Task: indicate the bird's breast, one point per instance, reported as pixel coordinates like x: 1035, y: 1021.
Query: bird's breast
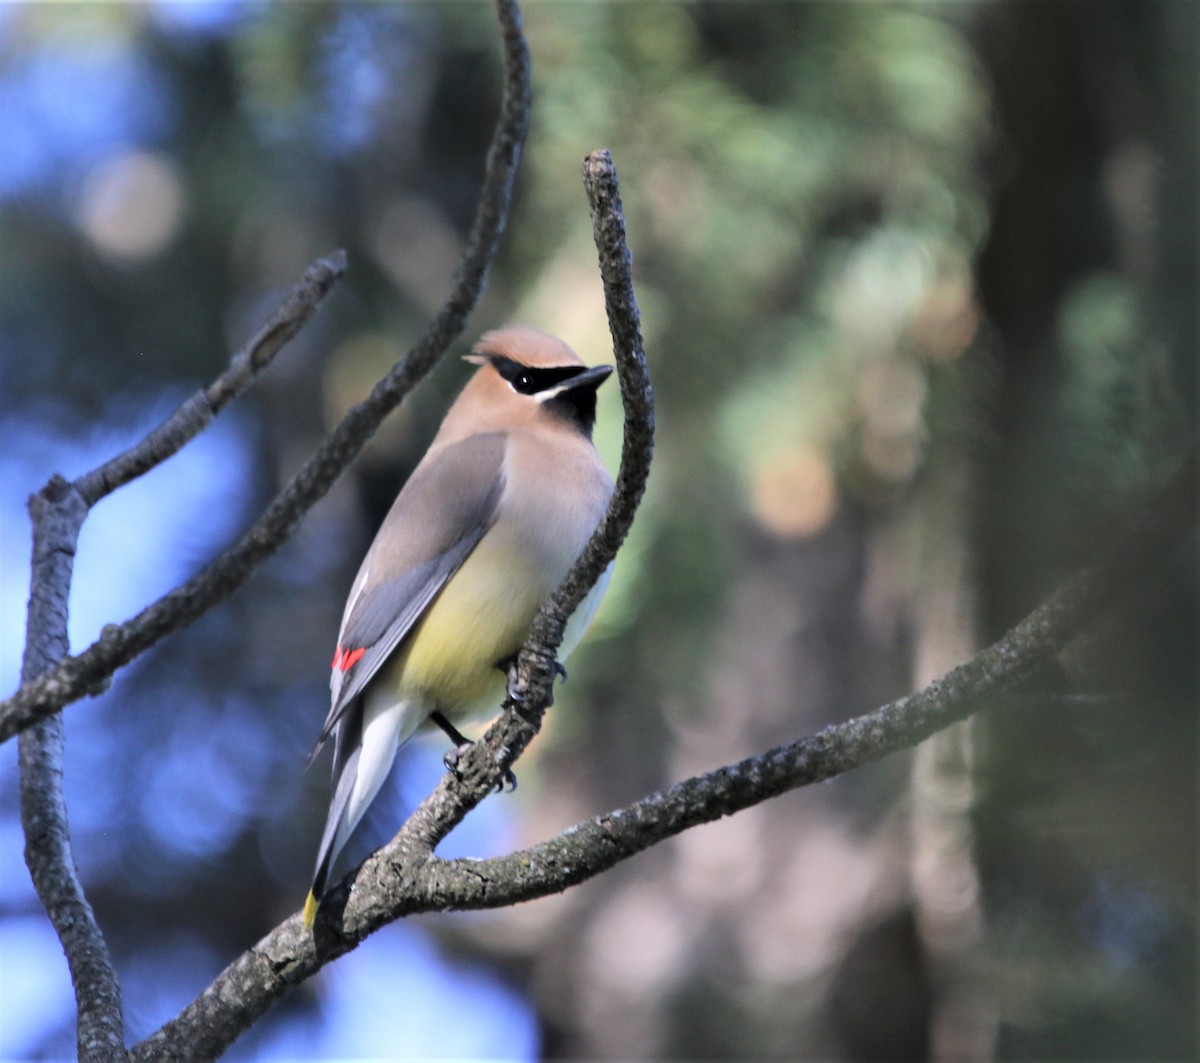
x: 483, y: 613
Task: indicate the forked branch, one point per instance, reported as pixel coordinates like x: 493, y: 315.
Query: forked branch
x: 51, y: 678
x: 74, y: 677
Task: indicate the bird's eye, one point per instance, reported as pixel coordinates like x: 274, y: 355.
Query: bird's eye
x: 524, y: 383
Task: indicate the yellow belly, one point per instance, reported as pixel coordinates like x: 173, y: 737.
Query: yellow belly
x: 480, y: 617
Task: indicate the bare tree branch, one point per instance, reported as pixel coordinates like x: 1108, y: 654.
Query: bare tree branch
x: 197, y: 413
x: 74, y: 677
x: 382, y: 889
x: 404, y: 878
x: 490, y: 759
x: 57, y: 512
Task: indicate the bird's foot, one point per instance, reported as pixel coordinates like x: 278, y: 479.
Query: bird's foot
x: 452, y: 756
x: 461, y: 745
x: 506, y: 785
x: 509, y: 666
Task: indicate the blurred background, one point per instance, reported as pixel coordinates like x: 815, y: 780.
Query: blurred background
x: 918, y: 290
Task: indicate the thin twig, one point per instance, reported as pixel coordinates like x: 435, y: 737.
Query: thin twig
x: 624, y: 322
x: 490, y: 759
x: 197, y: 412
x: 119, y: 644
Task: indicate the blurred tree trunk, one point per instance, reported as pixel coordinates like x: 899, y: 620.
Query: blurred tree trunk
x: 945, y: 879
x: 1089, y: 831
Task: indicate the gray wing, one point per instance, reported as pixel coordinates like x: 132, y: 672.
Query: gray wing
x: 445, y: 508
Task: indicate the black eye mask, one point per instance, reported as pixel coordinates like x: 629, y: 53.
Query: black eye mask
x: 528, y: 380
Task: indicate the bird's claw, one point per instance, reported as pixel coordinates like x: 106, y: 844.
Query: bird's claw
x: 455, y: 753
x: 510, y: 686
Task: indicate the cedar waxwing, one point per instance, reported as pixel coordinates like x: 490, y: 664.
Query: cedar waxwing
x: 482, y: 533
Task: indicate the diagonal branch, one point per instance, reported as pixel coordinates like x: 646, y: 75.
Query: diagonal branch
x: 74, y: 677
x: 383, y: 885
x: 597, y: 844
x: 419, y: 882
x: 489, y: 759
x: 197, y: 413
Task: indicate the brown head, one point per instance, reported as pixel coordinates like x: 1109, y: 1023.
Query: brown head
x: 526, y: 378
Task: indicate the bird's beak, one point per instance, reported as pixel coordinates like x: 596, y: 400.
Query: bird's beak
x: 589, y: 378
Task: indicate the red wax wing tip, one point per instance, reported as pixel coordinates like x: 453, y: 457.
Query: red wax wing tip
x: 345, y: 659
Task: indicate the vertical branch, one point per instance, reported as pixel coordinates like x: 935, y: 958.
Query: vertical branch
x: 57, y: 512
x: 624, y: 323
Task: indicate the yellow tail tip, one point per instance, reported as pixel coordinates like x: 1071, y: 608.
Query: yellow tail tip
x: 310, y: 909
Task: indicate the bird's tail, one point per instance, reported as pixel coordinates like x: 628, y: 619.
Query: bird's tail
x: 366, y: 747
x: 338, y: 825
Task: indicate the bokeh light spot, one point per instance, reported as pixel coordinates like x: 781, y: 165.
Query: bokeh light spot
x: 794, y: 495
x: 131, y: 206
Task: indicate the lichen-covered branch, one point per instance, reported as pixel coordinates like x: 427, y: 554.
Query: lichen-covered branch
x: 76, y: 676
